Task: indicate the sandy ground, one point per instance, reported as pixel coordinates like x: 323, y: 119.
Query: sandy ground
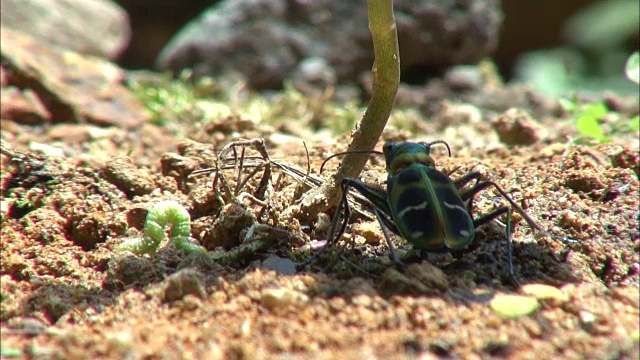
x: 67, y: 292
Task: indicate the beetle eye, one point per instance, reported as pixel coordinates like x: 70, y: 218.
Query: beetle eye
x: 388, y: 146
x: 427, y: 146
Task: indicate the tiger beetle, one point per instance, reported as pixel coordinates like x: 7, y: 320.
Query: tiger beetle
x: 425, y: 206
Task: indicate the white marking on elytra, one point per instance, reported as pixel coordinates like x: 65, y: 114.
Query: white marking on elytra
x: 464, y: 233
x: 416, y: 234
x: 454, y: 206
x: 407, y: 209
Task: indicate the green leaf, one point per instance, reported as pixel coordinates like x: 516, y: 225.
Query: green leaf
x: 595, y: 110
x: 632, y: 68
x: 588, y: 126
x: 513, y: 306
x: 542, y: 291
x: 587, y: 122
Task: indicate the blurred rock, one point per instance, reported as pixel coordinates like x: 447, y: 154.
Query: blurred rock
x: 313, y: 76
x: 63, y: 86
x: 22, y: 106
x: 266, y: 41
x: 96, y: 27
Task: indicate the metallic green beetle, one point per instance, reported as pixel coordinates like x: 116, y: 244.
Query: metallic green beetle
x: 425, y: 206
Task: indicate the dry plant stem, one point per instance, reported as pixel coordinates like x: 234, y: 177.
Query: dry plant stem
x: 386, y: 76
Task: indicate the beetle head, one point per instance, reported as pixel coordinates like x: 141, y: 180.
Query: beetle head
x: 400, y: 155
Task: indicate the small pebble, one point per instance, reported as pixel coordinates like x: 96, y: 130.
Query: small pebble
x: 586, y: 317
x: 280, y: 298
x: 280, y: 265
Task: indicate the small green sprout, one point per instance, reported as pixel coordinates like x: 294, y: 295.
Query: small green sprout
x: 589, y: 116
x: 158, y: 217
x: 587, y: 121
x: 179, y: 100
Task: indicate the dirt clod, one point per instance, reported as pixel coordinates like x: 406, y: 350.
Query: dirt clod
x: 130, y: 179
x: 184, y: 282
x: 418, y: 279
x: 282, y: 298
x: 516, y: 127
x: 129, y: 270
x: 226, y: 230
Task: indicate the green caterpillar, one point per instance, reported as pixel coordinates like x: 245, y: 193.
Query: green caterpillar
x: 164, y: 212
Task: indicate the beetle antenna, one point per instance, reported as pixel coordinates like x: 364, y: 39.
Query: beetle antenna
x: 439, y: 142
x: 349, y: 152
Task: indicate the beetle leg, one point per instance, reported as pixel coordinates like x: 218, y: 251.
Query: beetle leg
x: 386, y: 225
x: 532, y: 223
x: 481, y: 185
x: 381, y: 211
x: 484, y: 219
x: 463, y: 181
x: 466, y: 178
x: 378, y: 199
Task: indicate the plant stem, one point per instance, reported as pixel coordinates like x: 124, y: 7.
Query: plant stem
x: 386, y: 77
